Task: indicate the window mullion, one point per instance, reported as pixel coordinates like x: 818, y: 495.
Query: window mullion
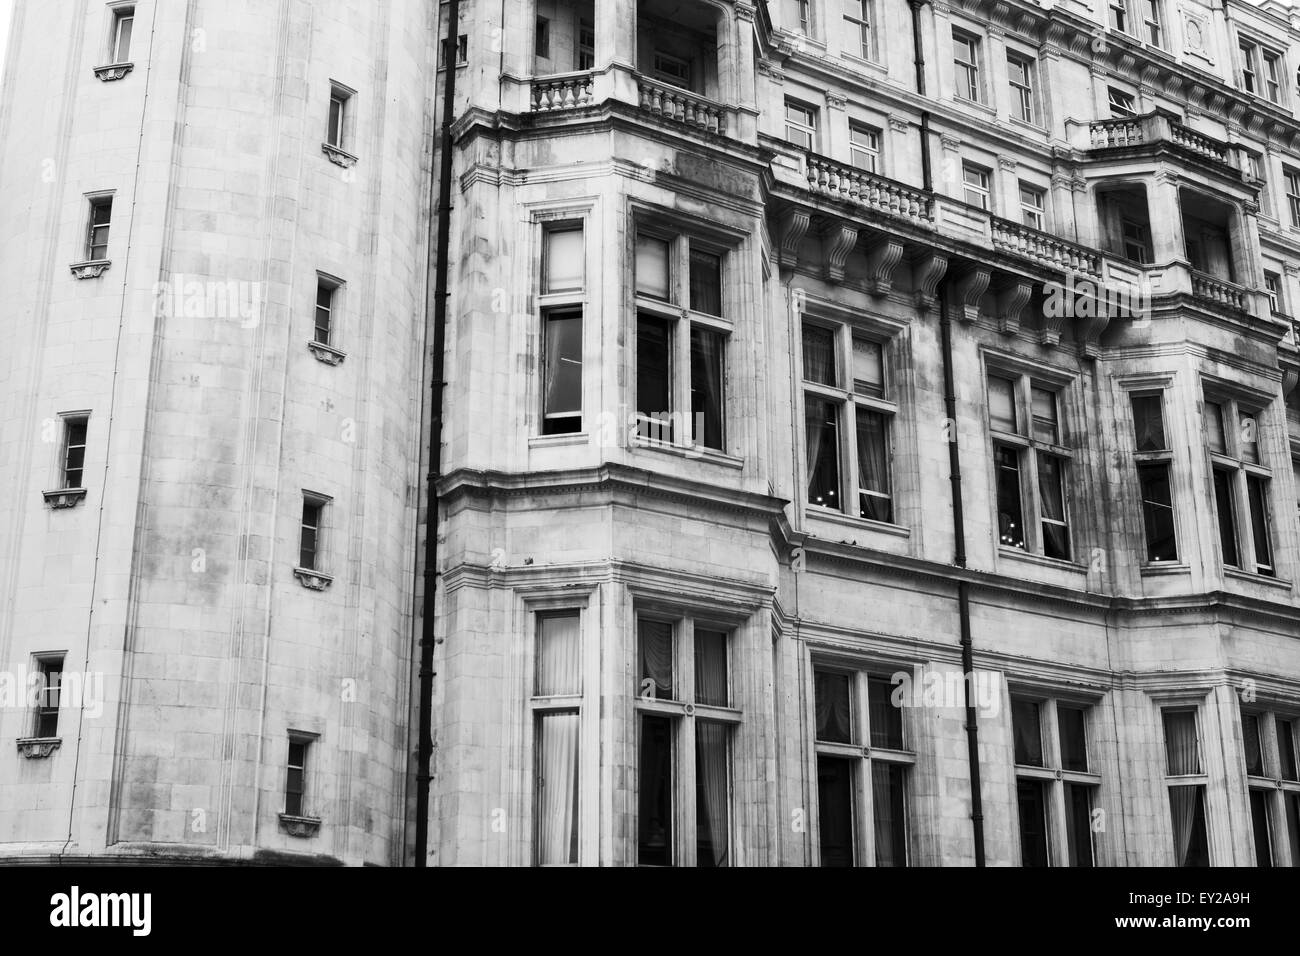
x: 686, y: 850
x: 852, y: 503
x: 683, y: 423
x: 1029, y: 498
x: 867, y: 804
x: 1244, y: 523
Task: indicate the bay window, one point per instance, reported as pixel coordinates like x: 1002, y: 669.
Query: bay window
x: 1240, y: 483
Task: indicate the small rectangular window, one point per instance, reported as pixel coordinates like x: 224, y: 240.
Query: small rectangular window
x: 966, y: 63
x: 1182, y: 748
x: 295, y: 784
x: 49, y: 670
x: 1051, y: 495
x: 1287, y: 739
x: 1252, y: 743
x: 655, y: 642
x: 1002, y: 405
x: 707, y: 387
x: 672, y: 69
x: 101, y: 215
x: 656, y: 806
x: 889, y: 809
x: 868, y: 368
x: 875, y: 501
x: 1122, y: 103
x: 1043, y: 408
x: 1215, y: 436
x: 542, y: 39
x: 74, y: 451
x: 819, y: 356
x: 562, y: 372
x: 586, y: 45
x: 562, y: 259
x: 857, y: 23
x: 1078, y: 824
x: 975, y: 182
x: 835, y: 799
x: 310, y: 539
x: 885, y: 719
x: 324, y: 311
x: 654, y: 378
x: 1119, y: 15
x: 1026, y: 723
x: 1011, y: 525
x: 1033, y: 203
x: 1272, y: 76
x: 652, y: 267
x: 1273, y: 287
x: 1072, y: 724
x: 559, y: 671
x: 1261, y: 827
x: 1148, y: 421
x: 337, y: 127
x: 833, y: 697
x: 123, y: 23
x: 1249, y: 67
x: 800, y: 125
x: 1151, y: 20
x: 1226, y: 512
x: 822, y: 425
x: 864, y: 147
x: 1157, y: 511
x: 1260, y: 523
x: 711, y: 680
x: 1021, y: 73
x: 1293, y: 195
x: 706, y: 282
x: 1031, y: 797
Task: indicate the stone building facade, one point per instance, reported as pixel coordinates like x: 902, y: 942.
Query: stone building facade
x: 713, y: 267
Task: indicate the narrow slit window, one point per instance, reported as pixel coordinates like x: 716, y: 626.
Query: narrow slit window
x: 123, y: 23
x: 310, y: 540
x: 295, y: 783
x: 48, y: 690
x: 101, y: 216
x: 74, y: 451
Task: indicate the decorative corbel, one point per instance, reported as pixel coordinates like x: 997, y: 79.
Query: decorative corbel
x: 1290, y: 379
x: 1088, y: 329
x: 794, y: 226
x: 838, y: 240
x: 927, y: 272
x: 970, y: 288
x: 1012, y: 300
x: 882, y: 258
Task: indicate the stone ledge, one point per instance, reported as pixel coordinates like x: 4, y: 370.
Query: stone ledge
x: 339, y: 157
x: 38, y: 748
x: 113, y: 71
x: 327, y: 353
x: 315, y: 580
x: 63, y: 497
x: 297, y: 826
x: 91, y: 268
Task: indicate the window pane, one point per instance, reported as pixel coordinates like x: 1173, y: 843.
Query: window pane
x: 335, y: 132
x: 1214, y: 428
x: 821, y: 422
x: 1260, y: 828
x: 564, y: 265
x: 1078, y: 824
x: 706, y: 282
x: 1257, y: 496
x: 886, y: 719
x: 1227, y: 518
x: 324, y: 309
x: 873, y: 467
x: 1051, y: 496
x: 1074, y: 738
x: 1252, y: 744
x: 1046, y: 427
x: 1293, y: 825
x: 1248, y: 438
x: 311, y: 512
x: 656, y: 645
x: 1011, y: 528
x: 835, y: 810
x: 562, y: 388
x: 652, y: 267
x: 655, y: 793
x: 1287, y: 753
x: 1181, y: 747
x: 1002, y: 404
x: 1148, y: 423
x: 557, y: 788
x: 558, y: 661
x: 1027, y: 727
x: 707, y: 350
x: 868, y: 368
x: 819, y: 356
x: 1033, y: 822
x: 712, y: 794
x: 711, y: 668
x: 832, y: 702
x: 653, y: 378
x: 1157, y: 512
x: 889, y: 804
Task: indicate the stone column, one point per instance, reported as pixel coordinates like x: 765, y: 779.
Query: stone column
x: 1167, y: 240
x: 835, y: 130
x: 516, y: 33
x: 1006, y: 193
x: 615, y: 52
x: 743, y: 68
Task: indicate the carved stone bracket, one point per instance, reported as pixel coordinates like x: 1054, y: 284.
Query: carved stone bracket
x: 63, y: 497
x: 882, y: 258
x: 794, y: 226
x: 1012, y: 300
x: 299, y: 826
x: 91, y: 268
x: 838, y: 240
x: 1088, y: 329
x: 326, y: 353
x: 927, y: 272
x: 315, y: 580
x: 113, y: 71
x: 1290, y: 378
x: 339, y: 157
x: 38, y: 748
x: 969, y: 289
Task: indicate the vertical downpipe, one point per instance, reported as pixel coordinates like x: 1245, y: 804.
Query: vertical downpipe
x: 954, y: 469
x: 425, y: 752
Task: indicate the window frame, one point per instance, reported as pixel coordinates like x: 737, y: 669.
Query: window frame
x: 807, y: 130
x: 983, y: 190
x: 845, y: 397
x: 1199, y: 779
x: 968, y: 81
x: 120, y: 15
x: 863, y: 22
x: 1146, y: 459
x: 1241, y: 471
x: 46, y: 663
x: 307, y: 740
x: 1024, y: 100
x: 557, y: 304
x: 70, y: 421
x: 1291, y: 176
x: 864, y: 755
x: 871, y: 149
x: 94, y: 203
x: 541, y: 706
x: 1037, y: 210
x: 1153, y: 23
x: 321, y: 503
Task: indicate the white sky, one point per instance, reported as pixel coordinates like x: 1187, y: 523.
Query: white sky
x: 5, y: 10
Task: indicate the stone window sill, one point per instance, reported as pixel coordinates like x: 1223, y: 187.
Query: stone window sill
x: 299, y: 826
x: 63, y: 498
x: 313, y: 580
x: 91, y: 268
x: 327, y: 353
x: 1016, y: 554
x: 339, y: 157
x: 113, y: 71
x: 693, y: 452
x: 38, y: 748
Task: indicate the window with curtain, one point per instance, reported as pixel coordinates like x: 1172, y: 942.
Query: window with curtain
x: 1187, y: 797
x: 1030, y: 465
x: 557, y: 723
x: 848, y: 421
x: 855, y: 783
x: 687, y: 716
x: 1241, y: 480
x: 1268, y: 740
x: 1056, y: 785
x: 563, y: 272
x: 683, y: 322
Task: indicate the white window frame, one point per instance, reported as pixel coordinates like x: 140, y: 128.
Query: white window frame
x: 967, y: 74
x: 981, y: 190
x: 1023, y: 99
x: 1160, y: 457
x: 868, y: 152
x: 121, y: 15
x: 859, y: 22
x: 1234, y: 461
x: 1200, y: 779
x: 1122, y: 103
x: 1033, y: 213
x: 804, y: 124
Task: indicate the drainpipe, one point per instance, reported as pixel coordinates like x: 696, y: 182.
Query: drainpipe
x: 954, y: 469
x: 425, y: 752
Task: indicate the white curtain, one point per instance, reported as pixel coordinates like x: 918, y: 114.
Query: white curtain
x: 712, y: 788
x: 886, y: 794
x: 558, y: 646
x: 657, y: 658
x: 557, y: 784
x: 711, y: 668
x: 1183, y: 802
x: 1180, y: 743
x: 831, y: 694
